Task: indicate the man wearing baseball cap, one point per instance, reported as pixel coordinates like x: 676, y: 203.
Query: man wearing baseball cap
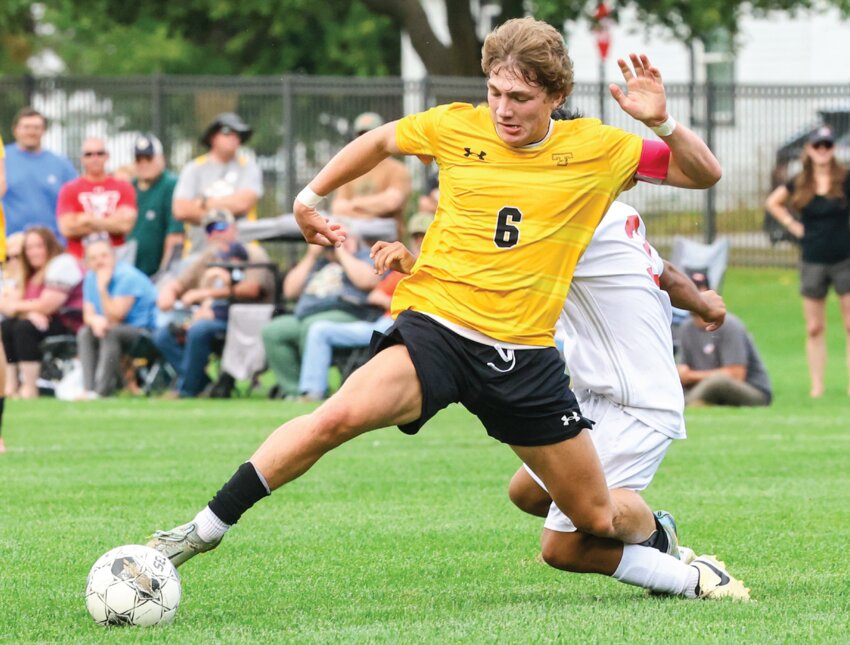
x: 720, y: 367
x: 185, y: 292
x: 156, y: 232
x: 381, y: 192
x: 223, y: 178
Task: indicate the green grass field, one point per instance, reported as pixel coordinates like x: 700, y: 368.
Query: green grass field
x: 393, y: 539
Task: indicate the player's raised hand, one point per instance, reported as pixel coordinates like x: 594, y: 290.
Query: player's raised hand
x: 392, y: 255
x: 645, y: 98
x: 713, y: 311
x: 316, y: 228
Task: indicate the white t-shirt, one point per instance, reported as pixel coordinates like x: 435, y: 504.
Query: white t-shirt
x: 616, y: 320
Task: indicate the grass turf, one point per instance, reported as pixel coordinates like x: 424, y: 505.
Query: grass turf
x: 397, y: 539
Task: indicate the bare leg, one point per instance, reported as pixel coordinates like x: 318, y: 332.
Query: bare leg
x: 577, y: 552
x: 814, y: 312
x: 573, y: 475
x: 844, y: 302
x: 29, y: 378
x: 384, y: 392
x: 4, y: 367
x: 10, y: 378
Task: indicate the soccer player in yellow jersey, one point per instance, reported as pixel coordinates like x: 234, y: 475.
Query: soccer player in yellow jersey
x: 520, y: 196
x: 2, y: 261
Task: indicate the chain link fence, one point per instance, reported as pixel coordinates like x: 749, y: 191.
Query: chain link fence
x: 301, y: 122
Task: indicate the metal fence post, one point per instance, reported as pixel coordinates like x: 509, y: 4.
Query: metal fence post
x: 157, y: 108
x: 710, y: 212
x: 289, y: 139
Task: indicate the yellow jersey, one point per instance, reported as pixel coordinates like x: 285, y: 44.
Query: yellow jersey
x: 511, y: 223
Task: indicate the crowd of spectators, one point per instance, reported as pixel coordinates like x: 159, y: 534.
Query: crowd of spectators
x: 139, y: 264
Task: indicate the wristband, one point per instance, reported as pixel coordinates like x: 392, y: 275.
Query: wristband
x: 666, y: 128
x: 309, y: 198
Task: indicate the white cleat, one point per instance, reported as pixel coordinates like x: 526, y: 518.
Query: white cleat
x: 715, y: 582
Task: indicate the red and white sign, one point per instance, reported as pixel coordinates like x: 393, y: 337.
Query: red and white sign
x: 602, y: 29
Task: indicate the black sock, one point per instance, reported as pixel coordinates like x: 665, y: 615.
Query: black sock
x: 244, y: 489
x: 658, y: 540
x: 2, y: 404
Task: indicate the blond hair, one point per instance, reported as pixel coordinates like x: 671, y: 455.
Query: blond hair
x: 535, y: 50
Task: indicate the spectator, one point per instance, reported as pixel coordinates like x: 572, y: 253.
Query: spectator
x: 222, y: 179
x: 47, y: 302
x: 326, y: 335
x: 119, y: 306
x: 96, y: 203
x: 3, y: 252
x: 429, y: 199
x: 12, y: 269
x: 156, y: 232
x: 381, y: 192
x: 820, y: 193
x: 330, y: 283
x: 34, y: 175
x: 721, y: 367
x: 187, y: 345
x: 219, y: 278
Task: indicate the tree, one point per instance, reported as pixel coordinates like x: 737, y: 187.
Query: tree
x: 687, y: 20
x: 214, y: 37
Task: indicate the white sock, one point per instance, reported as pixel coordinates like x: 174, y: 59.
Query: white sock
x: 646, y: 567
x: 210, y: 528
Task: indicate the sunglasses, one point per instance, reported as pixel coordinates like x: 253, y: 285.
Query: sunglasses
x: 217, y: 226
x: 822, y: 145
x: 95, y: 153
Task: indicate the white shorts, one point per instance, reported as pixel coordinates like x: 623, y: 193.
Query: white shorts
x: 630, y: 452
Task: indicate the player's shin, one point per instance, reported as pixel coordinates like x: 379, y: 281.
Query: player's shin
x: 241, y: 492
x: 649, y: 568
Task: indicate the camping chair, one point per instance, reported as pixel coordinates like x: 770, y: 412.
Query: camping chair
x: 689, y: 256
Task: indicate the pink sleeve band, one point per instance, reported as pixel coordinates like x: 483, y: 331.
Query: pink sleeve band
x: 654, y: 160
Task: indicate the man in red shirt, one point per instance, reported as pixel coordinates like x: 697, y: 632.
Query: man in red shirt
x: 96, y: 204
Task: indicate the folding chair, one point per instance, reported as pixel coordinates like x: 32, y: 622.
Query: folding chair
x: 690, y: 256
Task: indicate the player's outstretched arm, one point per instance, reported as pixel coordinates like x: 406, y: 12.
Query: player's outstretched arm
x: 684, y: 294
x: 354, y: 160
x: 692, y: 164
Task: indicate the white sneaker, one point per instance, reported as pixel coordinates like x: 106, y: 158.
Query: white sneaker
x: 181, y: 543
x: 715, y: 582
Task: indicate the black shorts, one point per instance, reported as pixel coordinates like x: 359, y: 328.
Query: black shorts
x: 816, y: 278
x: 521, y: 396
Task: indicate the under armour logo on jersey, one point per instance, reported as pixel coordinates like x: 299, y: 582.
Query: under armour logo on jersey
x: 507, y: 356
x: 562, y: 158
x: 573, y: 418
x: 469, y: 153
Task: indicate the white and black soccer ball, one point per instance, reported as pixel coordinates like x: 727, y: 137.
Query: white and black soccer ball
x: 133, y: 585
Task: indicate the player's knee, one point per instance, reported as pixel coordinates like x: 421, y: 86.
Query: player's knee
x: 597, y: 521
x: 527, y: 496
x: 335, y: 423
x: 562, y: 551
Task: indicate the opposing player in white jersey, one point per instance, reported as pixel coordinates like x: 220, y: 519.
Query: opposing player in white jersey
x: 619, y: 353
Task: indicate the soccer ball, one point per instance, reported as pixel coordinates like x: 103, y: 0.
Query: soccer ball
x: 132, y: 585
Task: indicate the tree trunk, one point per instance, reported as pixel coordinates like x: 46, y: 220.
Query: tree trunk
x: 462, y: 57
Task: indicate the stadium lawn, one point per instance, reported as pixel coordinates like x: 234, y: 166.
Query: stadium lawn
x: 398, y: 539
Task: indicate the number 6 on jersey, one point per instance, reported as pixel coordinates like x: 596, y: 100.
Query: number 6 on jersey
x: 507, y: 235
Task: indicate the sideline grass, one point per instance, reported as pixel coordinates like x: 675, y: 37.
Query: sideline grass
x: 396, y: 539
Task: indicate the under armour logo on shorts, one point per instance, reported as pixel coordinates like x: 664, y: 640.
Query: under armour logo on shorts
x: 573, y: 418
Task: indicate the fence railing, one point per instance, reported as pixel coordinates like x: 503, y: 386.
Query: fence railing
x: 300, y: 122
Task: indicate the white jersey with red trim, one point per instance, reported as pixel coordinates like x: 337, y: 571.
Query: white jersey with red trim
x: 617, y: 323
